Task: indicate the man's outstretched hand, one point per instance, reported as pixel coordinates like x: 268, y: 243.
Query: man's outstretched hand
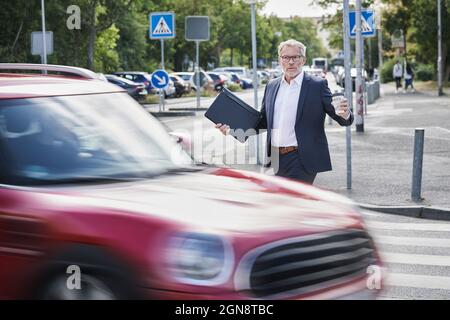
x: 225, y: 129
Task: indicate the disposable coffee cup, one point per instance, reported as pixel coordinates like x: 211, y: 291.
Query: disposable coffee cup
x: 337, y: 98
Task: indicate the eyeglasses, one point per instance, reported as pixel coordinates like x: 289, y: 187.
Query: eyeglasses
x: 288, y: 58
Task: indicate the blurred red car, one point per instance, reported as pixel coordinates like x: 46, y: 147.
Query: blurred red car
x: 89, y: 181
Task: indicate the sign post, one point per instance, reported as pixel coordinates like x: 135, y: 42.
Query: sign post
x: 162, y: 26
x: 197, y: 29
x: 362, y: 25
x: 160, y: 80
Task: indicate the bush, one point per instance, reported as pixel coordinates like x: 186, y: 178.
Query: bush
x: 234, y: 87
x: 386, y: 70
x: 424, y: 72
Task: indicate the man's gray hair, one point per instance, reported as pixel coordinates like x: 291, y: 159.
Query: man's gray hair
x: 293, y: 43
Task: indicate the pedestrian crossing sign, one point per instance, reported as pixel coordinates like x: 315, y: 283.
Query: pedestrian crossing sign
x: 162, y: 25
x: 367, y: 23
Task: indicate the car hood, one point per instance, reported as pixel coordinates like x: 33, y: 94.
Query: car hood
x: 220, y: 199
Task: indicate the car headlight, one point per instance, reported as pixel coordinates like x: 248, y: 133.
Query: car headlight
x: 200, y: 259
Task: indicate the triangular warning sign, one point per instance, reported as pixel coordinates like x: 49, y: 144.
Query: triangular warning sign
x: 365, y: 27
x: 162, y: 27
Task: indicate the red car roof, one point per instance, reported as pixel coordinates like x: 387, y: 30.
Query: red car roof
x: 14, y: 86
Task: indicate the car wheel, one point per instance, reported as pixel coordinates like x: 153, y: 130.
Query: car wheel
x: 92, y: 287
x: 101, y: 276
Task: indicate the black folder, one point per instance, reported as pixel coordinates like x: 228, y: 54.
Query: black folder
x: 229, y: 109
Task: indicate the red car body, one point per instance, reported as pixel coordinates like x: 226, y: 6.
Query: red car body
x: 266, y: 237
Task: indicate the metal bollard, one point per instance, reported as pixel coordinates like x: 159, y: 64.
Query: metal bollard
x: 417, y: 164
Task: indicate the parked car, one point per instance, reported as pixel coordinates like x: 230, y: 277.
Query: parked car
x: 275, y: 73
x: 231, y: 77
x: 241, y: 71
x: 92, y: 184
x: 340, y: 77
x: 220, y: 81
x: 245, y: 83
x: 264, y: 76
x: 205, y: 80
x: 145, y: 78
x: 181, y: 86
x: 136, y: 90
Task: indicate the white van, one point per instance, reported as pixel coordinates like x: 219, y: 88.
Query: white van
x: 320, y: 63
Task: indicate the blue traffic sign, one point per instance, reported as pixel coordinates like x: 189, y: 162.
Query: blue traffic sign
x: 367, y: 23
x: 160, y: 79
x: 162, y: 25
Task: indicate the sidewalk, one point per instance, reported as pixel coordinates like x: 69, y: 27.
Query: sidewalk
x: 382, y: 156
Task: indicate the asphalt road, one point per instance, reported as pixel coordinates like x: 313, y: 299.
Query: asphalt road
x: 416, y: 254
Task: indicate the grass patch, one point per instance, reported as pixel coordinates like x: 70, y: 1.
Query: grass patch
x: 152, y: 99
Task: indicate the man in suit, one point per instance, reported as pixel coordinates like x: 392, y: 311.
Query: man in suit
x: 293, y: 113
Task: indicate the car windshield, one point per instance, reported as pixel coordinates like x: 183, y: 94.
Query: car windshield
x: 84, y: 137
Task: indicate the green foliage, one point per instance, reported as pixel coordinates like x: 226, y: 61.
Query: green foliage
x: 386, y: 70
x: 234, y: 87
x: 152, y: 98
x: 107, y: 58
x: 114, y: 34
x: 418, y: 21
x: 425, y: 72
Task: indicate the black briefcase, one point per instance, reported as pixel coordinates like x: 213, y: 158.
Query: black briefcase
x: 232, y: 111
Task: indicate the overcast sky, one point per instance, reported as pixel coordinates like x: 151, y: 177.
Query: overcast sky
x: 287, y: 8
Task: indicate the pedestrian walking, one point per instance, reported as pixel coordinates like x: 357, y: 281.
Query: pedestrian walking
x: 409, y: 77
x: 397, y: 73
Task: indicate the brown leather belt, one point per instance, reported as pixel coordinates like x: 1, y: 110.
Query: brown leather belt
x: 285, y: 150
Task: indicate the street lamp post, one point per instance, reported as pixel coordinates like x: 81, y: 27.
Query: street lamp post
x: 44, y: 42
x: 348, y: 91
x: 359, y: 93
x: 255, y: 74
x: 439, y: 60
x: 380, y: 37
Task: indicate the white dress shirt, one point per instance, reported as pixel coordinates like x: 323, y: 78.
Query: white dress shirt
x: 285, y: 112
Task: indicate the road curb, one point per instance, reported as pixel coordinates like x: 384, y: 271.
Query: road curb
x: 423, y: 212
x: 173, y: 114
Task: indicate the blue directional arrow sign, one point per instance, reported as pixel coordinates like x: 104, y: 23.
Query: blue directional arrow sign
x: 367, y: 23
x: 160, y: 79
x: 162, y: 25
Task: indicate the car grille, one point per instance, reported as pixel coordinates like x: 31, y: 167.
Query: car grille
x: 306, y: 264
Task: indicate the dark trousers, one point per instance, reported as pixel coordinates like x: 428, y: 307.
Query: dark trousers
x: 398, y: 82
x: 290, y: 166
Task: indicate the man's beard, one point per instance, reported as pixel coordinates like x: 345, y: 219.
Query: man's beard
x: 293, y: 74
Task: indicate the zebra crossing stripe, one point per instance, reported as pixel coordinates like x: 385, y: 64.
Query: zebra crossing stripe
x: 417, y: 259
x: 413, y: 241
x: 417, y: 281
x: 409, y: 226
